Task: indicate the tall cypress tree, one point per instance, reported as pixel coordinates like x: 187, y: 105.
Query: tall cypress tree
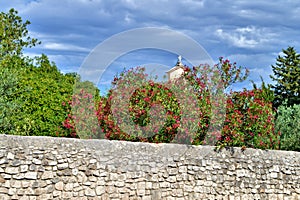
x: 287, y: 77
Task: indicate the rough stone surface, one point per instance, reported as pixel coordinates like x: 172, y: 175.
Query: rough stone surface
x: 60, y: 168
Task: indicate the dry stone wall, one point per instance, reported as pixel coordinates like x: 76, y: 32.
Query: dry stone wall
x: 61, y: 168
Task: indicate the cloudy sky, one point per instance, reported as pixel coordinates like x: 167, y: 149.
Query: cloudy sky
x: 251, y: 33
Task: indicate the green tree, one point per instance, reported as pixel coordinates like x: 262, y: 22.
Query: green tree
x: 33, y: 91
x: 45, y: 90
x: 287, y: 77
x: 14, y: 34
x: 13, y: 38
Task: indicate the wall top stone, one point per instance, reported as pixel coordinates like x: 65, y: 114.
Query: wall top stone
x: 125, y: 148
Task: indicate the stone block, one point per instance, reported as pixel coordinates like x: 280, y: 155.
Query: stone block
x: 59, y: 186
x: 30, y: 175
x: 90, y: 192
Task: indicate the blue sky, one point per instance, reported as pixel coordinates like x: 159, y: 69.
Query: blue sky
x: 251, y: 33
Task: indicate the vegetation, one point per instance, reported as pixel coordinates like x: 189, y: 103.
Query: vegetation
x: 288, y: 123
x: 250, y: 121
x: 231, y: 73
x: 45, y: 90
x: 249, y: 115
x: 14, y: 34
x: 9, y: 103
x: 287, y: 77
x: 287, y: 98
x: 33, y: 90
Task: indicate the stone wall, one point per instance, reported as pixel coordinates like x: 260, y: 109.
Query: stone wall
x: 60, y: 168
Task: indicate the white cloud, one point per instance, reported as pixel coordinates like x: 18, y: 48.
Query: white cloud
x: 64, y: 47
x: 246, y: 37
x: 238, y: 40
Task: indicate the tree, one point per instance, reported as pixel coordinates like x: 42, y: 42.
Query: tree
x: 14, y: 34
x: 33, y: 91
x: 43, y: 109
x: 13, y: 38
x: 287, y: 75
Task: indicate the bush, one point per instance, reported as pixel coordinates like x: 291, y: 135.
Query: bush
x: 127, y: 111
x: 188, y: 114
x: 42, y: 90
x: 32, y: 94
x: 133, y: 120
x: 12, y: 90
x: 137, y: 109
x: 249, y: 121
x: 81, y: 120
x: 9, y: 105
x: 288, y: 123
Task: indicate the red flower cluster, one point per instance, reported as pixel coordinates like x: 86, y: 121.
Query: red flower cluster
x: 249, y: 121
x: 157, y: 114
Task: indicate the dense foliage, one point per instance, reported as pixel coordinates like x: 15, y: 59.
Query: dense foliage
x: 81, y: 118
x: 9, y: 101
x: 287, y: 77
x: 249, y: 119
x: 33, y: 91
x: 143, y: 104
x: 249, y: 115
x: 32, y: 96
x: 288, y: 123
x: 45, y: 90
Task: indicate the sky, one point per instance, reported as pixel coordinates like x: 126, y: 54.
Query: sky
x: 250, y: 33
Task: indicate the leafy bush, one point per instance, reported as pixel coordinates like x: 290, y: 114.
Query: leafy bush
x: 250, y: 121
x: 153, y: 112
x: 9, y: 104
x: 81, y: 120
x: 33, y: 101
x: 288, y: 123
x: 157, y: 113
x: 32, y: 90
x: 11, y: 69
x: 249, y: 115
x: 134, y: 121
